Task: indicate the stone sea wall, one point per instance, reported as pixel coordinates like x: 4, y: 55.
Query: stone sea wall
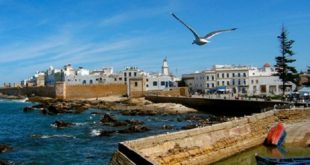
x: 207, y: 144
x: 94, y: 91
x: 64, y: 91
x: 48, y: 91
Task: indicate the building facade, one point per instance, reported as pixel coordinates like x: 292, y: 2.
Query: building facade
x: 236, y: 79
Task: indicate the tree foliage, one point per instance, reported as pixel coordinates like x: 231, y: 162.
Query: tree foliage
x: 285, y: 71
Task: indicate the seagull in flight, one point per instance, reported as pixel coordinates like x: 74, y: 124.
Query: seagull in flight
x: 202, y: 40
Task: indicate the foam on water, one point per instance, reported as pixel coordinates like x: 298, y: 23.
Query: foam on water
x: 95, y: 132
x: 53, y: 136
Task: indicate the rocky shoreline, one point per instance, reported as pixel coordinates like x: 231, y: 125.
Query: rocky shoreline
x: 2, y: 96
x: 126, y: 106
x: 136, y: 106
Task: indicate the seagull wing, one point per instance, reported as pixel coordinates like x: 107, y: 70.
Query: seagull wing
x: 214, y: 33
x: 188, y: 27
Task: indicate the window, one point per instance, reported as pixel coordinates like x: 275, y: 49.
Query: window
x: 252, y: 81
x: 256, y: 81
x: 125, y: 79
x: 84, y: 81
x: 228, y: 83
x: 154, y: 83
x: 147, y: 85
x: 244, y: 82
x: 239, y: 82
x: 147, y: 80
x: 233, y: 82
x: 162, y: 83
x: 120, y: 79
x: 134, y: 74
x: 212, y: 77
x: 208, y: 78
x: 239, y: 75
x: 227, y: 75
x: 223, y: 75
x: 218, y: 75
x: 125, y: 74
x: 208, y: 85
x: 115, y: 79
x: 218, y: 83
x: 90, y: 81
x: 136, y: 84
x: 244, y: 74
x: 129, y: 74
x: 212, y: 85
x: 233, y: 74
x: 223, y: 83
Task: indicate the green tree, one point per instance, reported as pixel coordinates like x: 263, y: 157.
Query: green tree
x: 285, y: 71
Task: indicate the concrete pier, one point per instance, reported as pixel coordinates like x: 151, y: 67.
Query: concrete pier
x: 207, y: 144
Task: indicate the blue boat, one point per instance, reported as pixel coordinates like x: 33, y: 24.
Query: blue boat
x: 282, y: 161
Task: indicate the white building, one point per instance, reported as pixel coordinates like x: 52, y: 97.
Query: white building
x: 52, y: 75
x: 235, y: 79
x: 263, y: 82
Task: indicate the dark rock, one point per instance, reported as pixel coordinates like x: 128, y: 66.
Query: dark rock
x: 134, y: 129
x: 134, y: 122
x: 44, y: 111
x: 106, y: 133
x: 138, y: 112
x: 189, y: 127
x: 28, y: 109
x: 97, y: 113
x: 62, y: 124
x: 108, y: 119
x: 120, y: 123
x: 39, y: 106
x: 52, y: 109
x: 3, y: 162
x: 4, y: 148
x: 80, y: 109
x: 168, y: 127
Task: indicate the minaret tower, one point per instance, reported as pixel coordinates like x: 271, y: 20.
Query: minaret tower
x: 165, y: 67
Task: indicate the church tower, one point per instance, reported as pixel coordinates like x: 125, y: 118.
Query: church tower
x: 165, y: 68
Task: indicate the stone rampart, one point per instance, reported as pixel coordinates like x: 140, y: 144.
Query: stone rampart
x: 94, y: 91
x: 48, y: 91
x: 208, y: 144
x: 65, y: 91
x: 173, y: 92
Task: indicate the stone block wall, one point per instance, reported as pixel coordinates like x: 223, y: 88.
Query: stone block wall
x: 212, y: 143
x: 48, y: 91
x: 94, y: 91
x: 173, y: 92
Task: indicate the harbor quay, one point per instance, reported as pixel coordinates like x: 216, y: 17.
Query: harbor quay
x: 210, y: 144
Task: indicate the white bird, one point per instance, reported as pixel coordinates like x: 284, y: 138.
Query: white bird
x: 202, y: 40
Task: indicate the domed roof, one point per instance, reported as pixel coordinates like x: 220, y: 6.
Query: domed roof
x: 267, y: 65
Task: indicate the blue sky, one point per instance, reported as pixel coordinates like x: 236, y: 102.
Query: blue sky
x: 35, y: 34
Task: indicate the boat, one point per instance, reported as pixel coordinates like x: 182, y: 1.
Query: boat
x: 282, y: 161
x: 276, y: 135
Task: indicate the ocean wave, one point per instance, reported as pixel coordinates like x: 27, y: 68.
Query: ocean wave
x: 52, y: 136
x: 80, y: 124
x: 95, y: 132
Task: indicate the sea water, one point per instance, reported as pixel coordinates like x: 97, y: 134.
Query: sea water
x: 34, y: 140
